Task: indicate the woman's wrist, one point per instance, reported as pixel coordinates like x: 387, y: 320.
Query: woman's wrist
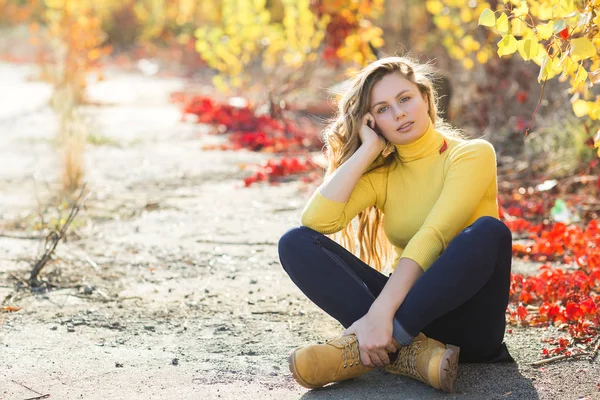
x: 372, y: 150
x: 383, y: 307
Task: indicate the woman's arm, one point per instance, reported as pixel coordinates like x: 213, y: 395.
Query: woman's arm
x: 397, y: 287
x: 348, y: 190
x: 344, y: 194
x: 339, y: 185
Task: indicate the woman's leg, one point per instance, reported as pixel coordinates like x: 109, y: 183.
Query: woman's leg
x: 333, y: 278
x: 461, y: 299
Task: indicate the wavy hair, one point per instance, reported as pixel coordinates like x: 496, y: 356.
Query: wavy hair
x: 341, y: 138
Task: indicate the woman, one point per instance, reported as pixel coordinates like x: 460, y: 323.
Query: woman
x: 420, y: 189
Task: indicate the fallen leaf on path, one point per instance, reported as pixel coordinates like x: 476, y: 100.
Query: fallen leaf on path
x: 11, y: 309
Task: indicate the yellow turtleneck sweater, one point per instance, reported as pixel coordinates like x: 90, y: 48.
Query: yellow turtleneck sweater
x: 428, y: 196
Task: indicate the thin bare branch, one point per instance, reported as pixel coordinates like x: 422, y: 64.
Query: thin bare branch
x: 54, y: 238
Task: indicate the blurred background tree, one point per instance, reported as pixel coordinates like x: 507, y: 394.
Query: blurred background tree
x: 508, y: 60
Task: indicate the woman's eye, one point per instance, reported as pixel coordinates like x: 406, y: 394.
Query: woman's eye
x: 402, y: 100
x: 381, y: 109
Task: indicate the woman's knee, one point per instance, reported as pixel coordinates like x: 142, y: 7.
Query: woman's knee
x: 493, y: 225
x: 295, y: 241
x: 293, y: 238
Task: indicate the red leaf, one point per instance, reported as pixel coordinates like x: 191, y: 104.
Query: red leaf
x: 522, y: 313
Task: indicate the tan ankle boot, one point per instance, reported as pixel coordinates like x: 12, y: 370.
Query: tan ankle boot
x: 319, y: 364
x: 429, y: 361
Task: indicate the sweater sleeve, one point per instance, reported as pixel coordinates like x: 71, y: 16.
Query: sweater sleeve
x: 328, y: 216
x: 471, y: 170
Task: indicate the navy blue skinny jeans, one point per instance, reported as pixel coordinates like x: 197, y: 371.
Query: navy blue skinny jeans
x: 461, y: 299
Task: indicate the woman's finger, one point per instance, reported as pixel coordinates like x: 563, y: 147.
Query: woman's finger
x: 376, y: 359
x: 391, y: 348
x: 365, y: 359
x: 383, y: 356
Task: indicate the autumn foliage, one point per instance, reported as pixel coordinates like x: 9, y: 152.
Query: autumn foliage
x: 247, y: 130
x: 562, y: 37
x: 568, y: 296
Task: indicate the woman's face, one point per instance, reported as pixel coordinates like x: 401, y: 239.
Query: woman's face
x: 400, y: 110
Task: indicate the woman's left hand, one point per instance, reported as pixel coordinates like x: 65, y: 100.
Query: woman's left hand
x: 374, y: 334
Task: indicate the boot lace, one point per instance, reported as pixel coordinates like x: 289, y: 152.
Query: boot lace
x: 350, y: 353
x: 406, y: 362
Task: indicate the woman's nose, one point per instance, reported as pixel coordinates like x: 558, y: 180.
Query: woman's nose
x: 399, y: 111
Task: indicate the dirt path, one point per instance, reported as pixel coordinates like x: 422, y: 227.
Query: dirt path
x: 173, y: 288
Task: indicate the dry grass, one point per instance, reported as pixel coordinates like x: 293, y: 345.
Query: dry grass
x: 72, y: 137
x: 73, y: 161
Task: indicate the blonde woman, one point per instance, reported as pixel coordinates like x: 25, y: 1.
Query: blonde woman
x: 425, y: 198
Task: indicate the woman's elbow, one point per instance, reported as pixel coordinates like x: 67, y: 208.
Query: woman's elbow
x: 309, y: 221
x: 319, y: 225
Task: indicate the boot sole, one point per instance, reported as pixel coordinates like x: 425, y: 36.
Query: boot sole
x: 449, y: 368
x: 292, y: 365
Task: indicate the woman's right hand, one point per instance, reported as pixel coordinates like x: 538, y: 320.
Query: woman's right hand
x: 369, y: 137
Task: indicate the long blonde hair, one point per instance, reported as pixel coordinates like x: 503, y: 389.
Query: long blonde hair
x: 342, y: 140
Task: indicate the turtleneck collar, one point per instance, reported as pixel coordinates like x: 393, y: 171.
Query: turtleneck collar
x: 430, y: 143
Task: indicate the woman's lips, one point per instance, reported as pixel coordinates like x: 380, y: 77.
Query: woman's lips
x: 405, y: 127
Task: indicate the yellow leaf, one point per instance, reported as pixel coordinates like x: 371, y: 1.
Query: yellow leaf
x: 543, y: 69
x: 528, y: 48
x: 580, y: 77
x: 482, y: 57
x: 434, y: 6
x: 502, y: 24
x: 566, y: 8
x: 377, y: 42
x: 468, y: 63
x: 487, y: 18
x: 581, y: 107
x: 518, y: 26
x: 545, y: 11
x: 358, y: 58
x: 545, y: 31
x: 522, y: 10
x: 442, y: 21
x: 557, y: 65
x: 219, y: 83
x: 595, y: 112
x: 541, y: 52
x: 582, y: 48
x: 568, y: 66
x: 469, y: 44
x: 456, y: 52
x: 448, y: 41
x: 507, y: 45
x: 466, y: 15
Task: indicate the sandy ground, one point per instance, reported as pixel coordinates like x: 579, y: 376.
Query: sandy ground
x: 170, y: 285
